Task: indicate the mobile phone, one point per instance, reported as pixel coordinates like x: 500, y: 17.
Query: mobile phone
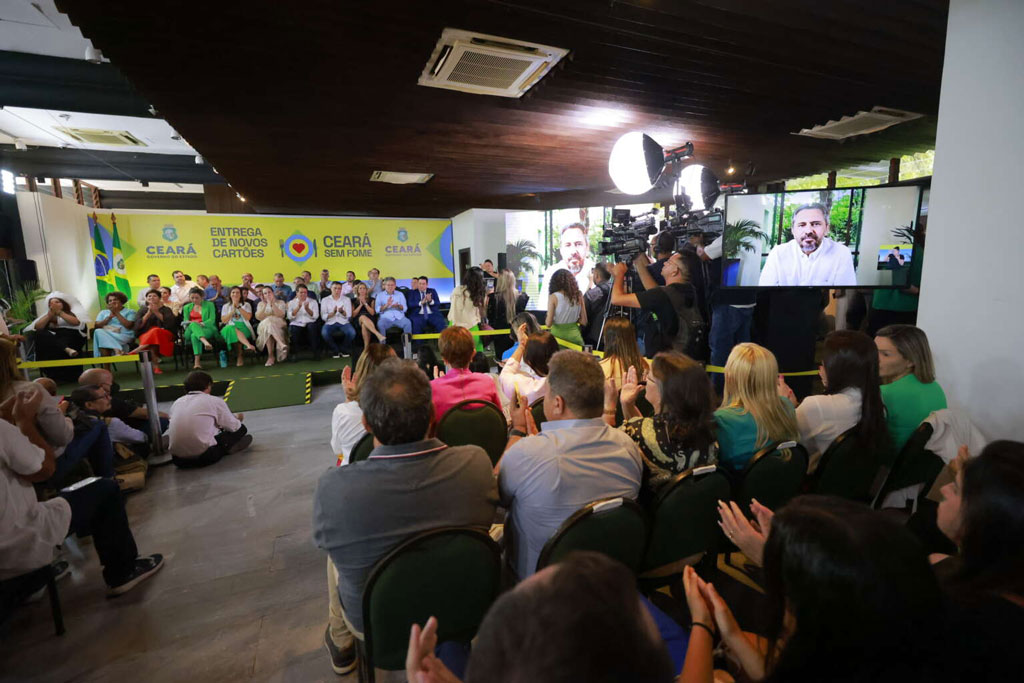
x: 490, y: 284
x: 80, y: 484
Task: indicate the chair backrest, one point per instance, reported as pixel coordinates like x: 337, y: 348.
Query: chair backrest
x: 452, y: 573
x: 847, y: 469
x: 361, y: 451
x: 538, y: 411
x: 773, y: 476
x: 475, y: 422
x: 616, y: 527
x: 914, y: 464
x: 684, y: 517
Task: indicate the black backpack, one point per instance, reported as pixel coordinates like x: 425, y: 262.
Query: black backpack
x: 691, y: 336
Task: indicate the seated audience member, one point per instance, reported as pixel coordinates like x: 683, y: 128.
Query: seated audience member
x: 503, y: 306
x: 574, y: 460
x: 752, y: 414
x: 5, y: 332
x: 272, y: 331
x: 566, y: 312
x: 202, y: 281
x: 199, y: 319
x: 578, y: 620
x: 364, y: 318
x: 282, y: 292
x: 60, y: 334
x: 29, y: 529
x: 469, y: 303
x: 303, y: 317
x: 93, y: 401
x: 180, y: 290
x: 347, y: 420
x: 155, y: 327
x: 982, y: 511
x: 909, y: 389
x: 217, y: 293
x: 525, y: 372
x: 849, y: 371
x: 425, y: 307
x: 621, y: 351
x: 681, y: 434
x: 391, y: 308
x: 235, y: 316
x: 48, y: 385
x: 532, y: 327
x: 323, y: 286
x: 112, y: 333
x: 134, y: 414
x: 350, y: 281
x: 850, y: 598
x: 373, y: 283
x: 152, y: 282
x: 299, y: 280
x: 480, y: 364
x: 202, y: 429
x: 412, y: 482
x: 459, y: 383
x: 248, y: 289
x: 336, y: 311
x: 169, y: 302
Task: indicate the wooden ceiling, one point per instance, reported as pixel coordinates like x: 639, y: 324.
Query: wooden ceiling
x: 295, y: 104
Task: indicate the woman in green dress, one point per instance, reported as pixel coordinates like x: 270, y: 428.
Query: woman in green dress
x: 199, y: 318
x: 235, y: 315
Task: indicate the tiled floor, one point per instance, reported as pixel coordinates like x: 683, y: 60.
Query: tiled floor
x: 242, y: 595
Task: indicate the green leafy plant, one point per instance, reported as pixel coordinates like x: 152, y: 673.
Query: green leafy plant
x: 23, y: 305
x: 740, y: 236
x: 520, y: 256
x: 904, y: 234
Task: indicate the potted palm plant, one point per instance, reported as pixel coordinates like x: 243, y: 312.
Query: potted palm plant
x: 738, y: 237
x: 21, y: 309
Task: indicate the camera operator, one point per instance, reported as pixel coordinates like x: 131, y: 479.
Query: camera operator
x: 679, y: 321
x: 596, y: 302
x: 731, y: 310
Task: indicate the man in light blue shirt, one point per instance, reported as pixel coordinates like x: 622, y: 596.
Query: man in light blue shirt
x: 574, y: 460
x: 391, y: 309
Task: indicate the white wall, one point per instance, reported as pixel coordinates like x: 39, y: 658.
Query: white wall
x: 971, y: 301
x: 885, y: 209
x: 482, y: 231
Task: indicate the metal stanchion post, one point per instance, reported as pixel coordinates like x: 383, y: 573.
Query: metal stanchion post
x: 407, y: 345
x: 149, y: 391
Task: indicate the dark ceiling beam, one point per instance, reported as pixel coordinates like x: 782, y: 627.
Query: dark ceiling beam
x: 54, y: 162
x: 42, y: 82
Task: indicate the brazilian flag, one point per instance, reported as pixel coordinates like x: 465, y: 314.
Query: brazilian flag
x: 117, y: 266
x: 101, y: 262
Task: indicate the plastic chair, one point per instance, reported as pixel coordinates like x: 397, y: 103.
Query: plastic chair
x: 11, y: 590
x: 452, y: 573
x: 684, y: 524
x: 475, y: 422
x: 914, y: 465
x: 773, y: 476
x: 616, y: 527
x: 847, y: 469
x: 361, y: 451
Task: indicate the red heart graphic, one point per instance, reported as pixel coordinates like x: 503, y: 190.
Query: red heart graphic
x: 299, y: 247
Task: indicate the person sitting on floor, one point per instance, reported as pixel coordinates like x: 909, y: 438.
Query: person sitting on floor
x: 681, y: 434
x: 155, y: 327
x: 347, y: 419
x: 272, y: 332
x: 459, y: 383
x: 413, y: 483
x: 575, y: 459
x: 237, y: 329
x: 752, y: 414
x: 30, y: 529
x: 93, y: 401
x: 200, y: 320
x: 202, y: 429
x: 60, y: 334
x: 135, y: 415
x: 113, y: 333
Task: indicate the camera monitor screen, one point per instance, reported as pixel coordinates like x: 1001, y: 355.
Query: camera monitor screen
x: 850, y: 237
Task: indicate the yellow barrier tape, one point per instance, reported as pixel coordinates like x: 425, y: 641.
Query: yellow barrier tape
x: 475, y: 333
x: 84, y: 360
x: 802, y: 373
x: 576, y: 347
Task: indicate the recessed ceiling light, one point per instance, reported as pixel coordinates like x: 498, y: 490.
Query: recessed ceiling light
x: 397, y: 178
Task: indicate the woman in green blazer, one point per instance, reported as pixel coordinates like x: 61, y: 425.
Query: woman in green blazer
x: 199, y: 318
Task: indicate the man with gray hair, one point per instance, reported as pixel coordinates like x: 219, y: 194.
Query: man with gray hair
x: 574, y: 460
x: 811, y: 258
x: 391, y: 309
x: 409, y: 484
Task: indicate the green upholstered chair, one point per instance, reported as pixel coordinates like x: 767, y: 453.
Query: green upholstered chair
x: 847, y: 469
x: 361, y: 451
x: 774, y: 475
x: 616, y: 527
x: 475, y: 422
x: 913, y: 465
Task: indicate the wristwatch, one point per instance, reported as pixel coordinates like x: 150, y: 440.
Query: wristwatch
x: 516, y: 432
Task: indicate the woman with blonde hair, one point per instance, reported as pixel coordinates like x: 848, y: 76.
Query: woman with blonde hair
x: 347, y: 419
x: 506, y: 303
x: 566, y: 311
x: 752, y: 414
x: 621, y: 351
x: 272, y: 332
x: 364, y: 317
x: 909, y: 390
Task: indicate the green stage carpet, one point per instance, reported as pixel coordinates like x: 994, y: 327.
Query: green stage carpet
x: 270, y: 391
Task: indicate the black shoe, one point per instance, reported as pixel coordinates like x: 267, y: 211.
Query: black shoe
x: 342, y: 661
x: 145, y: 567
x: 242, y: 444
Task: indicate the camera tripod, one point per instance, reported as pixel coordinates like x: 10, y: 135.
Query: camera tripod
x: 631, y: 282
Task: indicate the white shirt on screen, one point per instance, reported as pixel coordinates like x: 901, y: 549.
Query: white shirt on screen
x: 297, y: 314
x: 196, y: 420
x: 336, y: 311
x: 830, y: 265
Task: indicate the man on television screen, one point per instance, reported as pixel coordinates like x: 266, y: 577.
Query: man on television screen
x: 810, y: 259
x: 574, y: 248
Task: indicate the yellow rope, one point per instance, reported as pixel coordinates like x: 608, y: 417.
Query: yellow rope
x: 85, y: 360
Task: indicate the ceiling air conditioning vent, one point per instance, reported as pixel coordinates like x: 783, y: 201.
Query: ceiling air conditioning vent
x: 96, y: 136
x: 398, y: 178
x: 487, y: 65
x: 861, y: 123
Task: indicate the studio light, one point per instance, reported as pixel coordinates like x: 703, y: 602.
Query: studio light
x: 7, y: 181
x: 636, y: 163
x: 731, y: 169
x: 698, y: 185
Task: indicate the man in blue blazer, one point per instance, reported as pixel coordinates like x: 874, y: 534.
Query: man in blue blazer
x: 425, y: 307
